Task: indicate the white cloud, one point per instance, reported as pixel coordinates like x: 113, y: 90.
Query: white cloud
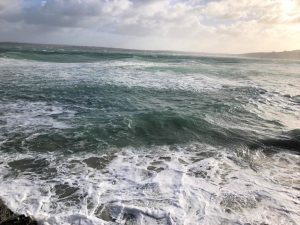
x: 192, y: 25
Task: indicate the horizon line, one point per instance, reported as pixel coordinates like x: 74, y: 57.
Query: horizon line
x: 117, y: 48
x: 148, y: 50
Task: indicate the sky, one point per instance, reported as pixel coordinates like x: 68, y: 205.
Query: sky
x: 216, y: 26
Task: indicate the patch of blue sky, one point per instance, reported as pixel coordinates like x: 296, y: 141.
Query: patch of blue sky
x: 33, y: 3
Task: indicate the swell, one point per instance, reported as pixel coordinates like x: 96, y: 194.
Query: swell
x: 141, y: 129
x: 72, y: 54
x: 99, y: 110
x: 93, y: 117
x: 63, y: 56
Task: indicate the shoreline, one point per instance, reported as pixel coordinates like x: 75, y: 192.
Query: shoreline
x: 8, y: 217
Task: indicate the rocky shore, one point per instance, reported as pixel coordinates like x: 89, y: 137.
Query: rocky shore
x: 7, y: 217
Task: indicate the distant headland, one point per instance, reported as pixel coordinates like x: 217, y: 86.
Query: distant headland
x: 276, y: 55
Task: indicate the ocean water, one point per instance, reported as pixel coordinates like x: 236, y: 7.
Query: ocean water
x: 94, y: 136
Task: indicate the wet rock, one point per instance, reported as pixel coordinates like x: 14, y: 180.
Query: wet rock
x: 5, y: 213
x: 7, y: 217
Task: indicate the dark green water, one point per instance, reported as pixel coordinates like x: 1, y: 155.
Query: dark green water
x: 84, y: 126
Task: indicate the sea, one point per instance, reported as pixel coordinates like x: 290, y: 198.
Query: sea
x: 92, y: 136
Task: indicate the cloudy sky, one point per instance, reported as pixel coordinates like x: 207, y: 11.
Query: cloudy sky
x: 224, y: 26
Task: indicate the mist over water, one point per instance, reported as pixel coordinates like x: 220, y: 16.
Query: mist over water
x: 108, y: 136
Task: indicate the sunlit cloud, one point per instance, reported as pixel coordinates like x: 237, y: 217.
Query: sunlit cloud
x: 190, y: 25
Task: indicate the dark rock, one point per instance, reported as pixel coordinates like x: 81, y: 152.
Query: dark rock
x: 5, y: 213
x: 7, y: 217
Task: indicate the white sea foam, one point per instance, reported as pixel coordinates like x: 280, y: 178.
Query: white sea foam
x: 32, y: 114
x: 274, y: 106
x: 192, y: 184
x: 31, y: 118
x: 133, y: 73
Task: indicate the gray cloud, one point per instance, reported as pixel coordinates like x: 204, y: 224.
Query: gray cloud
x: 181, y: 25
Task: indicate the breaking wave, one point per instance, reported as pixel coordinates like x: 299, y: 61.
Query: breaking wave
x: 110, y: 136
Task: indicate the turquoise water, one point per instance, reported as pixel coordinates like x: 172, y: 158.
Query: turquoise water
x: 110, y: 136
